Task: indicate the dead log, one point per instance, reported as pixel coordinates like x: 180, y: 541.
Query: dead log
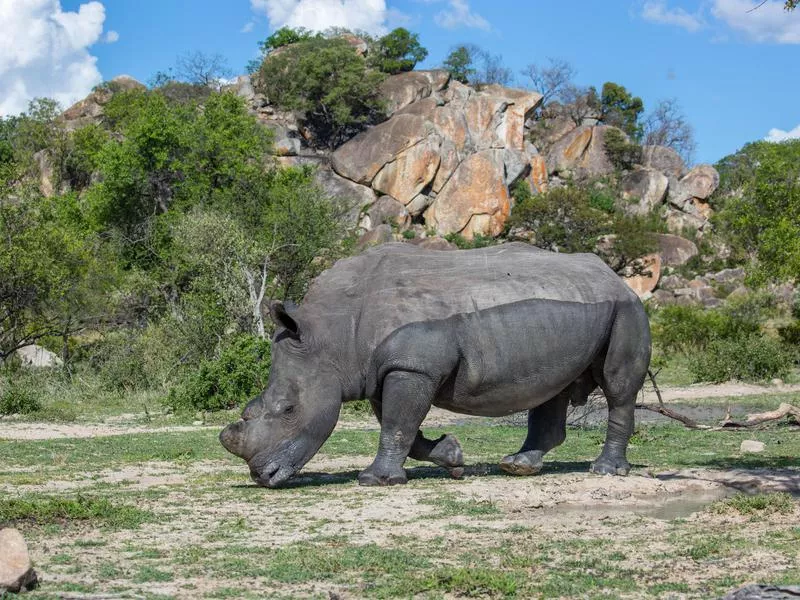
x: 753, y: 420
x: 784, y: 410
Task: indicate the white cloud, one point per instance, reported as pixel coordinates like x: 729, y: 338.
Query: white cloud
x: 248, y: 27
x: 459, y: 14
x: 656, y: 11
x: 43, y: 52
x: 318, y: 15
x: 111, y: 37
x: 779, y: 135
x: 766, y: 23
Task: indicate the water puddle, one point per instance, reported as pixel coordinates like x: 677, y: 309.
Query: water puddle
x: 655, y: 507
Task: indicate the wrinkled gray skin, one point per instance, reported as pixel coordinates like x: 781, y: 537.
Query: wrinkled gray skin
x: 482, y: 332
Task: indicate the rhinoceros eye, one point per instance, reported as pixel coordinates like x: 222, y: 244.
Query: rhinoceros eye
x: 288, y: 410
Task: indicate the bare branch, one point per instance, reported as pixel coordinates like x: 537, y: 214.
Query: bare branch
x: 550, y: 80
x: 202, y: 69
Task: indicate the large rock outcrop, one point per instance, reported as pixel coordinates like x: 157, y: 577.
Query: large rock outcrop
x: 689, y: 195
x: 475, y: 200
x: 406, y: 88
x: 663, y: 159
x: 447, y: 152
x: 581, y: 153
x: 643, y: 190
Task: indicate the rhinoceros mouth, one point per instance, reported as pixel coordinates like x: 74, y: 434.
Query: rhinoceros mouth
x: 272, y: 475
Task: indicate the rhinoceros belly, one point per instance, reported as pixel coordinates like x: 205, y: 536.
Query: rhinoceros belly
x: 517, y: 356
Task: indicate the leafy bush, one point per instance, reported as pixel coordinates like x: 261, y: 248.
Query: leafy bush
x: 691, y: 328
x: 790, y: 334
x: 18, y: 399
x: 396, y: 52
x: 130, y: 360
x: 622, y: 153
x: 747, y: 358
x: 327, y: 81
x: 602, y: 199
x: 240, y: 371
x: 561, y: 219
x: 285, y: 36
x: 621, y: 109
x: 459, y: 64
x: 759, y: 208
x: 478, y: 241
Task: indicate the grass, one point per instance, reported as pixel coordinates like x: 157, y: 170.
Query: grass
x: 653, y: 446
x: 42, y: 510
x: 755, y: 505
x: 448, y: 505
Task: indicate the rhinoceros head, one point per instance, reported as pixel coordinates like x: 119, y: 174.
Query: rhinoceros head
x: 285, y: 425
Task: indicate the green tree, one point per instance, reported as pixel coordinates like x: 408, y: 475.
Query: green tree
x: 561, y: 220
x: 621, y: 109
x: 571, y: 219
x: 459, y: 64
x: 326, y: 80
x: 396, y: 52
x: 235, y: 264
x: 622, y: 153
x: 759, y: 207
x: 51, y: 276
x: 284, y: 37
x: 172, y: 154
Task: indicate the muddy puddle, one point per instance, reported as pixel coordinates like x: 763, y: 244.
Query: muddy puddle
x: 663, y: 508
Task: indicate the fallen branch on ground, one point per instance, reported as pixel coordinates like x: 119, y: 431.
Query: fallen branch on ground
x: 784, y: 410
x: 753, y: 420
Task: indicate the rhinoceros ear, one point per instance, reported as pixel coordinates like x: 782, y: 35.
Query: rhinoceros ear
x: 279, y: 313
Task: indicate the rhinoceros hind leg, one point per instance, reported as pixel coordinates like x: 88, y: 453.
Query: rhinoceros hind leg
x: 395, y: 476
x: 529, y: 462
x: 621, y: 376
x: 445, y: 452
x: 610, y: 465
x: 547, y: 428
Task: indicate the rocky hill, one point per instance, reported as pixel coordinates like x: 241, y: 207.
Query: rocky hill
x: 447, y: 157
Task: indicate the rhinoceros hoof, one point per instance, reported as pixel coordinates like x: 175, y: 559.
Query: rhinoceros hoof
x: 447, y: 453
x: 523, y: 463
x: 606, y: 466
x: 456, y: 472
x: 370, y: 477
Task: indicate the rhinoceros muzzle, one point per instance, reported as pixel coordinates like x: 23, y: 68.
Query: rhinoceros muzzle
x: 272, y: 475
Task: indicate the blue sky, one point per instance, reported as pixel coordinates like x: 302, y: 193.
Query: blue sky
x: 733, y: 72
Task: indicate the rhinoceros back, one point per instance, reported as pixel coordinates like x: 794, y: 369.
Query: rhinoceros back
x: 393, y: 285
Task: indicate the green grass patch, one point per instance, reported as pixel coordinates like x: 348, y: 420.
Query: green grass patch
x: 449, y: 505
x: 108, y: 451
x: 148, y: 574
x: 654, y: 446
x: 757, y: 504
x: 42, y: 511
x: 472, y: 582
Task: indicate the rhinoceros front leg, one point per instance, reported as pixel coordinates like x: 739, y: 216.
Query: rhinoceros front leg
x: 405, y: 400
x: 547, y: 428
x: 445, y: 451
